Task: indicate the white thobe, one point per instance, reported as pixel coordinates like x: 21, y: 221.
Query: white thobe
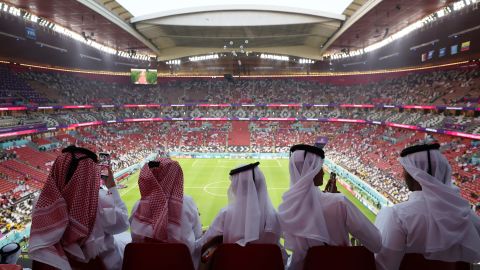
x: 341, y: 218
x: 217, y: 229
x: 112, y: 218
x: 190, y: 228
x: 402, y: 227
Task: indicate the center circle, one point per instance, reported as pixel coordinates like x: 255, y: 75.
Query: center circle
x: 217, y: 188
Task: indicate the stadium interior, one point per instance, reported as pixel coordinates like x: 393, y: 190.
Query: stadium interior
x: 215, y: 85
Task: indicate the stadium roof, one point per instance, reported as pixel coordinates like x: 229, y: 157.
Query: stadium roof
x: 148, y: 7
x: 174, y: 29
x: 279, y: 30
x: 386, y: 18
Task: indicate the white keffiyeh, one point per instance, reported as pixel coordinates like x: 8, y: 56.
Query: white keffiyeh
x: 449, y: 215
x: 300, y: 212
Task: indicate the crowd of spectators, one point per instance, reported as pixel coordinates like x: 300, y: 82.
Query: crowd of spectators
x: 15, y: 208
x: 448, y: 87
x: 466, y: 122
x: 457, y: 87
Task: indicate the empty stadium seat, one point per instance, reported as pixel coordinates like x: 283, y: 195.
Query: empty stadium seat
x: 251, y: 257
x: 157, y: 256
x: 417, y: 261
x: 339, y: 258
x: 95, y: 264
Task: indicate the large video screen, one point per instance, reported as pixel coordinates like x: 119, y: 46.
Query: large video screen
x: 143, y: 76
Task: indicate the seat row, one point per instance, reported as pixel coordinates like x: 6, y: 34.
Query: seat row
x: 254, y: 257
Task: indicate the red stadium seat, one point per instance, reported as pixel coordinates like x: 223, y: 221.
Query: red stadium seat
x: 251, y: 257
x: 157, y: 256
x: 339, y: 258
x: 417, y: 261
x: 95, y: 264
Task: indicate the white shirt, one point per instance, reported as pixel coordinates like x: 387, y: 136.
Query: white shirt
x: 341, y: 218
x: 190, y: 230
x: 216, y: 229
x: 114, y: 220
x: 402, y: 227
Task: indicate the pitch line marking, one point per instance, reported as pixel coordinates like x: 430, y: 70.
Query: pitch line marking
x: 205, y: 188
x: 278, y: 163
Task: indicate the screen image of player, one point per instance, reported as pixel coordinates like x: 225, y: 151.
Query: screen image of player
x: 143, y: 76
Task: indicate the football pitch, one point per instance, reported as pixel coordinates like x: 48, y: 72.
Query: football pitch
x: 207, y: 181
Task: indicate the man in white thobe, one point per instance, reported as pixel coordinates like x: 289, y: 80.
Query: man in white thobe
x: 249, y: 216
x: 73, y: 218
x: 435, y: 221
x: 309, y: 217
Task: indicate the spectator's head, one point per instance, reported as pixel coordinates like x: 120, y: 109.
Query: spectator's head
x: 250, y: 210
x: 424, y: 160
x: 10, y: 253
x: 67, y: 206
x: 161, y: 188
x: 306, y: 161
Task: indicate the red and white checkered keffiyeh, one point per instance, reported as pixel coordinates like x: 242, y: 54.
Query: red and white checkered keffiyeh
x: 65, y: 212
x: 162, y: 197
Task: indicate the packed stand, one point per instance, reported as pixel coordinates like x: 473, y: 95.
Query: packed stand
x: 447, y: 87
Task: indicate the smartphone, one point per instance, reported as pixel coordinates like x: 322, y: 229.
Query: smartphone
x: 104, y: 162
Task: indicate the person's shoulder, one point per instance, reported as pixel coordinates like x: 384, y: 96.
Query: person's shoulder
x: 188, y: 202
x: 188, y: 199
x: 415, y: 201
x: 408, y: 209
x: 335, y: 197
x: 403, y: 205
x: 103, y: 192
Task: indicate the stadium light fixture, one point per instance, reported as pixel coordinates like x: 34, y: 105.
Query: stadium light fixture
x: 203, y: 57
x: 407, y: 30
x: 305, y: 61
x: 66, y: 32
x: 174, y: 62
x: 274, y: 57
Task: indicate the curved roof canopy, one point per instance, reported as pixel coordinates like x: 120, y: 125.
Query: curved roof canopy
x: 184, y: 28
x: 145, y: 7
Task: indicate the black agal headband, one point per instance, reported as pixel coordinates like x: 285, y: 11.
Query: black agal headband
x: 421, y: 148
x: 74, y: 163
x: 247, y: 167
x: 4, y: 254
x: 308, y: 148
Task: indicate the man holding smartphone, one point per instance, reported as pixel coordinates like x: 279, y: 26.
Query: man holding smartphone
x: 75, y: 220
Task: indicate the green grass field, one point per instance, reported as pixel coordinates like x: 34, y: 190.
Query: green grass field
x: 207, y: 181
